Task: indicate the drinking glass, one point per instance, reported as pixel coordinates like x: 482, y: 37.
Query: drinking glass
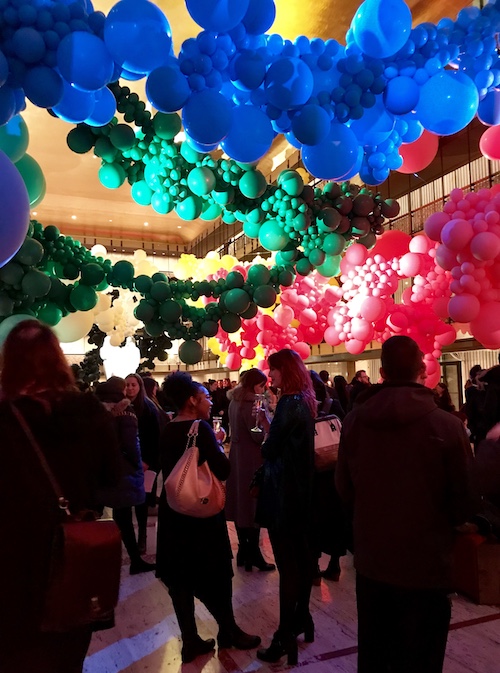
x: 258, y: 404
x: 216, y: 423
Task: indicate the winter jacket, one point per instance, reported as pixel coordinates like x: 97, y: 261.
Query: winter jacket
x: 402, y: 472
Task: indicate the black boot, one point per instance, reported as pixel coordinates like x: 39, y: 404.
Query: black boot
x: 333, y: 570
x: 255, y: 557
x: 280, y: 645
x: 241, y: 556
x: 304, y: 624
x: 192, y: 645
x: 192, y: 649
x: 236, y: 637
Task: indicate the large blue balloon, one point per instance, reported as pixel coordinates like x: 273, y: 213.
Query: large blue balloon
x: 334, y: 157
x: 15, y: 210
x: 84, y: 61
x: 259, y: 17
x: 217, y: 15
x: 381, y: 27
x: 311, y: 125
x: 104, y: 108
x: 251, y: 134
x: 75, y: 106
x: 43, y: 86
x: 247, y: 70
x: 207, y: 117
x: 401, y: 95
x: 375, y: 125
x: 137, y: 35
x: 167, y: 88
x: 448, y: 102
x: 289, y: 83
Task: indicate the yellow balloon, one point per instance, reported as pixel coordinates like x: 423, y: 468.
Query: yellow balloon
x: 223, y: 358
x: 295, y: 323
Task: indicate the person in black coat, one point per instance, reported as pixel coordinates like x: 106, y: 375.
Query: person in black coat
x: 129, y: 492
x: 149, y: 437
x: 77, y: 436
x: 194, y: 554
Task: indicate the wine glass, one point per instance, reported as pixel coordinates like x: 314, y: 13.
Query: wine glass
x: 216, y: 423
x: 258, y: 404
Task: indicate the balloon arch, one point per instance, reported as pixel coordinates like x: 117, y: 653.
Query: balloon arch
x: 377, y: 104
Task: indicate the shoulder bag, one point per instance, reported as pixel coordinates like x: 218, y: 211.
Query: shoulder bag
x: 326, y: 442
x: 193, y: 489
x: 85, y: 563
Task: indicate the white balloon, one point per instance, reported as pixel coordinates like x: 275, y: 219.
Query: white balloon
x: 98, y: 250
x: 74, y: 326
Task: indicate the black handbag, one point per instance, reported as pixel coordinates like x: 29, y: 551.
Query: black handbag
x: 85, y: 563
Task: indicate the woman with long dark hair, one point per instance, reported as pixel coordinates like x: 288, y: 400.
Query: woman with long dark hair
x: 76, y: 435
x: 245, y: 457
x: 284, y: 504
x: 194, y: 554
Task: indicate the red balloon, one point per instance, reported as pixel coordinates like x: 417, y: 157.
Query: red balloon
x: 392, y: 243
x: 419, y: 154
x: 489, y: 143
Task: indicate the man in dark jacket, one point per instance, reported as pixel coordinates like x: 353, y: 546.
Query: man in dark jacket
x: 402, y: 472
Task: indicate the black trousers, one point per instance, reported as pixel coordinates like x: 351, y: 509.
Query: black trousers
x: 401, y: 630
x: 296, y: 565
x: 123, y: 518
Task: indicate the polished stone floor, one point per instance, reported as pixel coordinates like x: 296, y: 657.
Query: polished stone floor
x: 145, y: 639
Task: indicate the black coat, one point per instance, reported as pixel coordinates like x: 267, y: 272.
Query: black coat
x: 78, y: 439
x: 191, y: 551
x: 149, y: 433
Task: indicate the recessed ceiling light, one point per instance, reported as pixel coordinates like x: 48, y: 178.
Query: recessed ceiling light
x: 110, y: 220
x: 34, y: 213
x: 73, y: 217
x: 154, y: 252
x: 162, y: 253
x: 179, y: 226
x: 146, y: 224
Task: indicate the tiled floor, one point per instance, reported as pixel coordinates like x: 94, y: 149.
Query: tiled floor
x: 145, y: 639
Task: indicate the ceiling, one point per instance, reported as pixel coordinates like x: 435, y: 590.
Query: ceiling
x: 80, y: 206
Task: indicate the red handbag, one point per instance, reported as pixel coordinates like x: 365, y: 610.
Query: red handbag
x: 85, y: 563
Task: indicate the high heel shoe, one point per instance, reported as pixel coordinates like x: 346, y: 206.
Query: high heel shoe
x: 259, y: 562
x: 305, y: 625
x: 280, y: 645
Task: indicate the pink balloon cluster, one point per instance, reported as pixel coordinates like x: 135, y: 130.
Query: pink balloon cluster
x: 468, y: 232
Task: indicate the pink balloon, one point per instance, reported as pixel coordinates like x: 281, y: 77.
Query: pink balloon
x: 361, y: 330
x: 354, y: 346
x: 489, y: 144
x: 356, y: 254
x: 410, y: 264
x: 307, y: 317
x: 447, y: 336
x: 373, y: 309
x: 486, y: 326
x: 283, y: 315
x: 419, y: 154
x: 485, y: 246
x: 457, y: 234
x: 332, y: 337
x: 445, y: 257
x: 434, y: 225
x: 440, y: 307
x: 302, y: 349
x: 433, y: 379
x: 247, y: 353
x: 233, y: 361
x: 397, y: 321
x: 421, y: 243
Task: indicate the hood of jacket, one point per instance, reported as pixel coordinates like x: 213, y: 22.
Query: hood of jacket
x: 117, y: 408
x: 394, y: 403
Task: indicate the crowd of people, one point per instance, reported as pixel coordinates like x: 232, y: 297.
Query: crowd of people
x: 405, y: 482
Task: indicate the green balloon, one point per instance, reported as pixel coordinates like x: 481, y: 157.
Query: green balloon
x: 6, y: 305
x: 237, y: 300
x: 14, y: 138
x: 81, y: 140
x: 35, y: 283
x: 83, y: 297
x: 170, y: 311
x: 264, y: 296
x: 51, y: 233
x: 303, y: 266
x: 368, y: 241
x: 155, y: 328
x: 190, y: 208
x: 251, y: 229
x: 328, y: 219
x: 50, y: 314
x: 122, y: 137
x: 211, y: 211
x: 334, y: 244
x: 201, y: 180
x: 252, y: 184
x: 141, y: 193
x: 8, y: 324
x: 389, y: 208
x: 291, y: 182
x: 92, y: 274
x: 30, y: 253
x: 316, y: 256
x: 258, y: 274
x: 272, y: 237
x: 190, y: 352
x: 104, y: 149
x: 330, y: 267
x: 251, y: 312
x: 234, y: 279
x: 360, y: 226
x: 144, y: 311
x: 230, y: 322
x: 143, y: 283
x: 166, y: 126
x: 123, y: 272
x: 160, y: 290
x: 189, y: 154
x: 209, y: 328
x: 112, y: 176
x: 286, y: 278
x: 33, y: 177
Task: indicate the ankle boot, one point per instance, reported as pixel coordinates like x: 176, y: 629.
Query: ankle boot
x: 280, y: 645
x: 194, y: 648
x: 333, y: 570
x: 255, y: 557
x: 237, y: 638
x: 304, y: 624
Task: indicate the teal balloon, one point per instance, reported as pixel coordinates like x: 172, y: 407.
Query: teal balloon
x: 122, y: 137
x: 162, y: 202
x: 303, y: 266
x: 14, y: 138
x: 258, y: 274
x: 237, y: 300
x: 272, y: 237
x: 190, y: 352
x: 7, y: 325
x: 112, y: 176
x: 30, y: 253
x: 141, y: 193
x: 33, y: 178
x: 234, y: 279
x: 35, y: 283
x: 190, y: 208
x: 166, y: 126
x: 83, y: 297
x: 316, y: 256
x: 291, y: 182
x: 330, y: 267
x: 201, y: 180
x: 264, y: 296
x: 334, y: 244
x: 224, y: 197
x: 170, y: 311
x: 211, y: 211
x: 252, y: 184
x: 251, y: 229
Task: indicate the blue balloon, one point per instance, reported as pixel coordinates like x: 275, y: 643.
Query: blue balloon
x: 199, y: 147
x: 259, y: 17
x: 84, y: 61
x: 167, y: 88
x: 251, y: 134
x: 448, y: 102
x: 381, y: 27
x: 28, y: 45
x: 43, y: 86
x: 488, y: 109
x: 137, y: 35
x: 289, y: 83
x: 207, y: 117
x: 293, y: 140
x: 247, y: 70
x: 414, y: 130
x: 375, y: 125
x: 334, y: 157
x: 4, y: 69
x: 401, y: 95
x: 104, y: 108
x: 311, y: 125
x: 7, y: 104
x: 15, y: 211
x: 75, y: 106
x: 130, y: 76
x: 220, y: 16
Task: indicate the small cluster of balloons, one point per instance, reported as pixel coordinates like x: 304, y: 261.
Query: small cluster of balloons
x: 350, y: 109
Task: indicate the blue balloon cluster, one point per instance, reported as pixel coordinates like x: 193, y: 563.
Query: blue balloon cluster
x: 347, y: 108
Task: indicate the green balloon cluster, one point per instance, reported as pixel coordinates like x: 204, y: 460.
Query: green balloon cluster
x: 172, y: 176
